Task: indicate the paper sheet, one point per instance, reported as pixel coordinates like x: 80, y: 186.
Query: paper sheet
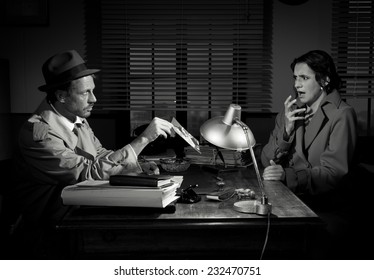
x: 182, y: 132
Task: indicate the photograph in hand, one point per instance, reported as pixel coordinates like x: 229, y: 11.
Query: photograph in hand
x: 182, y: 132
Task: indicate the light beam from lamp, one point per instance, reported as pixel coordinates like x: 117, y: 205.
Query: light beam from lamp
x: 229, y: 132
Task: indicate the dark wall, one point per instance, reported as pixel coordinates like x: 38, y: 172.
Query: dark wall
x: 261, y: 125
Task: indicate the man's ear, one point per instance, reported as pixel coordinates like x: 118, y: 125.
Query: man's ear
x: 60, y: 95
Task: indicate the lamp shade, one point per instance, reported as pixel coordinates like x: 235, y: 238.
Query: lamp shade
x: 228, y: 132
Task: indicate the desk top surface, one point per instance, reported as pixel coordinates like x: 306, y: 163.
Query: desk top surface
x: 286, y: 206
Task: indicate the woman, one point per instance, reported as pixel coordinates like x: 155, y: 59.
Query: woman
x: 312, y: 146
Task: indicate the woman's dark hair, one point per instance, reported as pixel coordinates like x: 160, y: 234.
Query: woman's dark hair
x: 323, y: 65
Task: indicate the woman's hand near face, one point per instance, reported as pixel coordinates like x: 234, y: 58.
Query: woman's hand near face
x: 291, y: 114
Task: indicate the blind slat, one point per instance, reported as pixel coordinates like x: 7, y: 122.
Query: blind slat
x: 158, y: 50
x: 353, y: 46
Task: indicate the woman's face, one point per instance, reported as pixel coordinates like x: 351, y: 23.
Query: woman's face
x: 308, y: 89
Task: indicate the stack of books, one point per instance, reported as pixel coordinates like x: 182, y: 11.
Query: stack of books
x: 210, y: 155
x: 206, y: 156
x: 124, y: 190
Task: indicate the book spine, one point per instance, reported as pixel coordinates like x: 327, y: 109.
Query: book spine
x: 132, y: 182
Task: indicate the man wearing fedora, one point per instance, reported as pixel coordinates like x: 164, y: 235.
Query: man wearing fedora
x: 57, y: 147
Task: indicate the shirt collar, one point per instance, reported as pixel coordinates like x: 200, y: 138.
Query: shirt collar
x: 70, y: 125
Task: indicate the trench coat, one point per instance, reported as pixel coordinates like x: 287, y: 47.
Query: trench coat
x: 317, y: 156
x: 49, y: 158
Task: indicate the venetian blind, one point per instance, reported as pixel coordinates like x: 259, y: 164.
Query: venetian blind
x: 181, y: 55
x: 353, y: 45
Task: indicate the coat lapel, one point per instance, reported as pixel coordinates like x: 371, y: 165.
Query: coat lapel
x: 321, y: 117
x: 314, y: 127
x: 299, y: 145
x: 84, y: 142
x: 51, y: 117
x: 82, y: 146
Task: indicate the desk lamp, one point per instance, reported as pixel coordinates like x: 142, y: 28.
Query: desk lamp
x: 229, y: 132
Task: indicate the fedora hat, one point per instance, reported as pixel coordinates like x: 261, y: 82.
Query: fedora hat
x: 62, y: 68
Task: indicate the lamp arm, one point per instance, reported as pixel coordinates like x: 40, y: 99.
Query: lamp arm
x: 245, y: 129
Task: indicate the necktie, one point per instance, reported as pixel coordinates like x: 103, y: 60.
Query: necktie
x: 85, y: 146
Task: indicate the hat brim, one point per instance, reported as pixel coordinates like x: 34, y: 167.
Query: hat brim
x: 81, y: 74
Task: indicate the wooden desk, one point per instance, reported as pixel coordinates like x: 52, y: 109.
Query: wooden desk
x: 204, y: 230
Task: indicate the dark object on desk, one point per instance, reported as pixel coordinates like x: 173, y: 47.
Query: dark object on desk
x: 140, y: 180
x: 216, y: 169
x: 221, y: 195
x: 189, y: 196
x: 245, y: 193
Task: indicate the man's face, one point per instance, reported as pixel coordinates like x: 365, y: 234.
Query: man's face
x: 80, y: 99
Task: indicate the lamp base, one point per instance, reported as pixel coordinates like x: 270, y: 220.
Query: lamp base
x: 252, y: 207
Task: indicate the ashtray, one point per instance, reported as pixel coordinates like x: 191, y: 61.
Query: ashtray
x: 175, y: 164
